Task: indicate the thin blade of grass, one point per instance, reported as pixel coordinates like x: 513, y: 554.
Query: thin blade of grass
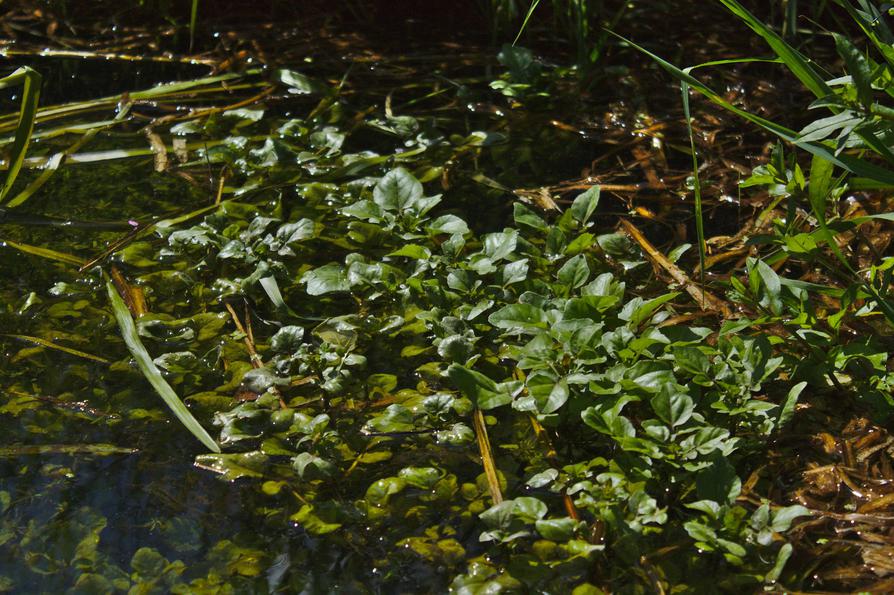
x: 487, y: 456
x: 63, y: 348
x: 193, y: 13
x: 796, y: 62
x: 59, y: 158
x: 802, y: 69
x: 47, y: 253
x: 852, y: 164
x: 876, y: 29
x: 151, y: 372
x: 696, y: 186
x: 30, y: 80
x: 524, y: 24
x: 99, y: 450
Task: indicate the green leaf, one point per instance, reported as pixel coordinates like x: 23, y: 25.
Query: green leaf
x: 674, y: 409
x: 788, y: 407
x: 820, y: 185
x: 558, y: 396
x: 151, y: 372
x: 588, y: 307
x: 560, y: 530
x: 326, y: 279
x: 517, y: 317
x: 478, y: 388
x: 719, y: 482
x: 585, y: 205
x: 782, y: 557
x: 575, y: 272
x: 515, y: 272
x: 691, y: 359
x: 525, y: 217
x: 802, y: 243
x: 287, y: 339
x: 310, y: 466
x: 498, y: 246
x: 529, y: 510
x: 637, y: 311
x: 771, y: 284
x: 857, y: 66
x: 783, y: 517
x: 397, y: 190
x: 413, y: 251
x: 447, y: 224
x: 423, y: 478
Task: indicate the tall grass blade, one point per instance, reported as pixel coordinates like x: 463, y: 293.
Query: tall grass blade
x: 52, y: 166
x: 193, y: 13
x: 696, y: 186
x: 524, y: 24
x: 801, y: 68
x: 151, y: 372
x: 30, y: 81
x: 796, y: 62
x: 57, y: 347
x: 47, y: 253
x: 852, y: 164
x: 874, y: 27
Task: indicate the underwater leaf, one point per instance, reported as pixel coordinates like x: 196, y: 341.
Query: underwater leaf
x: 151, y: 372
x: 782, y: 557
x: 529, y: 509
x: 310, y: 466
x: 233, y: 466
x: 298, y: 83
x: 520, y: 62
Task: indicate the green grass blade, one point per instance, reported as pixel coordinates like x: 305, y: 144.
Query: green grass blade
x: 696, y: 186
x: 30, y: 80
x: 796, y: 62
x: 524, y: 24
x: 151, y: 372
x: 57, y: 160
x: 43, y: 252
x: 876, y: 29
x: 801, y: 68
x: 193, y: 13
x: 852, y: 164
x: 57, y: 347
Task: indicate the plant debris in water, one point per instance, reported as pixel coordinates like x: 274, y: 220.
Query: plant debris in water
x: 281, y: 330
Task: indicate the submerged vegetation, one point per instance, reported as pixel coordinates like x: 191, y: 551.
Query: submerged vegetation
x: 294, y: 325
